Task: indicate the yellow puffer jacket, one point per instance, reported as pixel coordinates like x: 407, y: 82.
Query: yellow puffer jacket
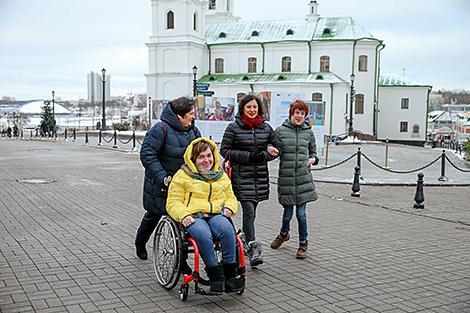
x: 188, y: 195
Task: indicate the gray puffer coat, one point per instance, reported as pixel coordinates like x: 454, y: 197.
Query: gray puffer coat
x: 295, y: 183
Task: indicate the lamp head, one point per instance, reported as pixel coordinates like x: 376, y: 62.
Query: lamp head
x: 53, y: 93
x: 352, y: 78
x: 103, y: 71
x: 194, y: 69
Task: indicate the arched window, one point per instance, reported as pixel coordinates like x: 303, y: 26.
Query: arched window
x: 415, y: 132
x: 324, y: 63
x: 219, y: 65
x: 359, y: 104
x: 170, y: 20
x: 317, y: 96
x: 286, y: 64
x: 211, y: 4
x: 251, y: 65
x: 363, y: 63
x: 195, y: 21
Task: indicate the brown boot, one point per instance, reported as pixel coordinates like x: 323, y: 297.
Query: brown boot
x: 302, y: 250
x: 279, y: 240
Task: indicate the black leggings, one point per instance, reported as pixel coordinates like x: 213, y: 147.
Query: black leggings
x: 249, y: 216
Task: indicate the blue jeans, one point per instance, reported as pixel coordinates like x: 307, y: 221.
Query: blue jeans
x: 205, y: 231
x: 301, y: 220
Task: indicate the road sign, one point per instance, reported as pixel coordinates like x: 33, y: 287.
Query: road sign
x: 202, y: 86
x: 207, y: 93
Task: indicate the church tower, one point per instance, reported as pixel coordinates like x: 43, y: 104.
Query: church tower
x: 176, y: 45
x: 220, y: 11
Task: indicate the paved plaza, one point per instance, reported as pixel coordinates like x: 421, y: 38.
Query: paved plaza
x: 67, y: 246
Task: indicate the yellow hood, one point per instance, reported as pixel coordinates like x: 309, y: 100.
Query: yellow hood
x: 189, y: 151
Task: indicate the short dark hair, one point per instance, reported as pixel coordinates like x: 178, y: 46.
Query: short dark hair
x: 198, y: 147
x: 182, y: 105
x: 298, y: 104
x: 245, y: 99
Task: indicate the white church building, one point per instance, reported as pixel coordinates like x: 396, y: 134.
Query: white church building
x: 312, y: 58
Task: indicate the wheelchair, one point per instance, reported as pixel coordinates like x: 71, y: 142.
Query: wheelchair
x: 172, y: 246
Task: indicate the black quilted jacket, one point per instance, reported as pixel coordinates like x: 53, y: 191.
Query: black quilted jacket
x: 250, y: 181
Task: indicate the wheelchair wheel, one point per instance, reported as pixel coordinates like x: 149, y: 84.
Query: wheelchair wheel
x: 167, y: 245
x: 184, y: 290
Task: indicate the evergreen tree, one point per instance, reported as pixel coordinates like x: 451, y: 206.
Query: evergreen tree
x: 47, y: 118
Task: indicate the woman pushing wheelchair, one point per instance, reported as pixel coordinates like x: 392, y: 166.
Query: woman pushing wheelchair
x: 200, y: 197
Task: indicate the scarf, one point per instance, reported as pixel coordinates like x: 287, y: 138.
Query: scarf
x: 202, y: 174
x: 252, y: 122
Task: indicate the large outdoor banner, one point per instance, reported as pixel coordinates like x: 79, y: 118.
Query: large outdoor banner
x: 213, y: 115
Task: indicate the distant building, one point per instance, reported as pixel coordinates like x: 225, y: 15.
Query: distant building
x: 95, y: 87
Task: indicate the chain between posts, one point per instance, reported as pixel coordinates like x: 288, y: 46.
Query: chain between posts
x: 334, y: 165
x: 400, y: 172
x: 455, y: 166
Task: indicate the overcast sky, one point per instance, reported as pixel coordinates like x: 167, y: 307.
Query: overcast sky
x: 50, y: 45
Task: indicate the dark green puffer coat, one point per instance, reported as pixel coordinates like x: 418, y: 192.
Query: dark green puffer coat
x: 295, y: 183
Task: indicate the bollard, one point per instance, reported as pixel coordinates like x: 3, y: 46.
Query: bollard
x: 358, y: 164
x: 36, y: 133
x: 419, y: 195
x: 386, y: 154
x: 86, y: 137
x: 443, y: 167
x: 327, y: 137
x: 65, y: 135
x: 99, y: 140
x: 74, y: 135
x: 115, y: 140
x: 356, y: 187
x: 30, y: 134
x: 22, y: 134
x: 133, y: 140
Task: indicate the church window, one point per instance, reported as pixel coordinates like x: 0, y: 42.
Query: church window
x: 317, y: 96
x: 403, y: 127
x: 289, y: 32
x: 359, y: 104
x: 195, y: 21
x: 324, y: 63
x: 327, y: 33
x: 363, y: 63
x: 211, y: 4
x: 255, y: 33
x: 251, y: 65
x: 415, y: 132
x: 170, y: 20
x: 405, y: 103
x: 219, y: 65
x: 222, y: 35
x: 286, y: 64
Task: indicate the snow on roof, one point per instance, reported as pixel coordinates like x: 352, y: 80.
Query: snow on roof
x: 321, y: 29
x: 282, y: 78
x: 396, y: 80
x: 35, y: 107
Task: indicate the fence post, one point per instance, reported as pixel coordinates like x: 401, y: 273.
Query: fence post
x: 86, y: 137
x: 133, y: 141
x: 443, y: 167
x: 22, y: 134
x: 115, y: 140
x: 66, y: 135
x: 419, y: 195
x: 386, y: 154
x: 31, y: 135
x: 99, y: 140
x: 327, y: 141
x: 74, y: 135
x: 356, y: 188
x: 359, y: 156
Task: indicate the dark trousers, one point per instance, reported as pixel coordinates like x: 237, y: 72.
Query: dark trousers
x: 146, y: 228
x: 249, y: 215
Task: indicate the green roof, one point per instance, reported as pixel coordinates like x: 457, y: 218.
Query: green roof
x: 321, y: 29
x: 274, y: 78
x: 395, y: 80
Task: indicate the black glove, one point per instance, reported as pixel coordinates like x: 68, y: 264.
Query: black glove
x: 317, y: 160
x: 257, y: 157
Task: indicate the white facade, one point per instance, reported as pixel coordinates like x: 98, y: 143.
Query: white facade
x: 205, y: 33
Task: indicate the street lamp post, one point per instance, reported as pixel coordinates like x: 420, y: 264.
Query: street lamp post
x: 194, y: 80
x: 103, y: 120
x: 53, y: 112
x: 150, y: 113
x: 351, y: 102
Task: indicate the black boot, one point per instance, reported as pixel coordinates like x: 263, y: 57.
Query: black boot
x: 216, y: 277
x: 232, y: 283
x: 141, y: 251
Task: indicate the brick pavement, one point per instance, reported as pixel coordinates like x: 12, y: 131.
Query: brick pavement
x: 67, y: 246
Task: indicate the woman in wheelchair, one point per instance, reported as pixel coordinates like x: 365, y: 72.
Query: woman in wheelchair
x: 200, y: 197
